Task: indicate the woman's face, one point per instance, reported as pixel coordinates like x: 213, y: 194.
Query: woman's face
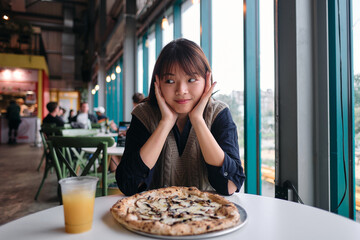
x: 181, y: 91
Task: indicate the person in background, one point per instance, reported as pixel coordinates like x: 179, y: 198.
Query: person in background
x: 24, y: 110
x: 82, y: 119
x: 61, y: 113
x: 180, y: 135
x: 53, y: 115
x: 137, y: 98
x: 14, y: 120
x: 71, y: 115
x: 100, y: 114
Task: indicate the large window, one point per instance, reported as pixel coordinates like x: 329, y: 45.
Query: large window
x: 168, y: 32
x: 152, y: 54
x: 190, y: 20
x: 228, y: 60
x: 356, y: 65
x: 267, y: 83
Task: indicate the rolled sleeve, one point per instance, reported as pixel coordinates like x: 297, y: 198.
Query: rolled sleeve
x: 225, y: 132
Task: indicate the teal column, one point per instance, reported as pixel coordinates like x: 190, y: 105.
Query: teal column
x: 206, y: 34
x: 252, y: 98
x: 158, y: 37
x: 113, y: 107
x: 177, y: 19
x: 108, y: 92
x: 120, y: 86
x: 96, y: 101
x: 145, y: 66
x: 342, y: 176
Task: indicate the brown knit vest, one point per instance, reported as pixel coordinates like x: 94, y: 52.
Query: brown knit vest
x: 189, y: 169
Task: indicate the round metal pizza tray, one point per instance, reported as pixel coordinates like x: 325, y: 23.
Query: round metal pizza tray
x: 243, y: 220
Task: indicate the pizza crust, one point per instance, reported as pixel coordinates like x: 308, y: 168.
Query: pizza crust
x: 160, y: 212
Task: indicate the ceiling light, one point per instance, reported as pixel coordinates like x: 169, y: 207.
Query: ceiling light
x: 118, y: 69
x: 113, y: 76
x: 108, y: 79
x: 93, y: 91
x: 6, y: 17
x: 164, y: 23
x: 97, y: 87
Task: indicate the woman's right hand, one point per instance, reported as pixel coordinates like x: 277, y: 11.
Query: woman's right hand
x: 168, y: 115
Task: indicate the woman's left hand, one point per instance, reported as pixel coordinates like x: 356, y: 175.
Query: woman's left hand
x: 198, y: 110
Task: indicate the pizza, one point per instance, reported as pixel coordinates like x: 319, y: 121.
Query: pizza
x: 176, y: 211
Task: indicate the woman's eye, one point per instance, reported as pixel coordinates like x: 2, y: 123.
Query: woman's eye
x: 192, y: 80
x: 169, y: 81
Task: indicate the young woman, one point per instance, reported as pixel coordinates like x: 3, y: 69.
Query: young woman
x: 180, y: 136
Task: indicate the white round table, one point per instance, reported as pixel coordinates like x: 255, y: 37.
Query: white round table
x: 110, y: 134
x: 268, y: 218
x: 114, y: 151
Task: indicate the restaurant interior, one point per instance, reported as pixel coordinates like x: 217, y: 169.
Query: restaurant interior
x: 289, y: 71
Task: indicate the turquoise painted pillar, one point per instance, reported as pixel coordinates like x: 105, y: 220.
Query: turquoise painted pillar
x: 145, y: 65
x: 252, y: 98
x: 120, y: 86
x: 206, y: 34
x: 342, y: 176
x: 177, y: 19
x: 158, y: 37
x: 96, y: 101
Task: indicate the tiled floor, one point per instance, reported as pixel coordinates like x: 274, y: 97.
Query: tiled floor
x: 19, y: 181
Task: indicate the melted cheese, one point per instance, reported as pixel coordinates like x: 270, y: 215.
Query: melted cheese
x: 174, y: 210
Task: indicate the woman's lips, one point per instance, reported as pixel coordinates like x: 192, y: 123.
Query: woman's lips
x: 182, y: 101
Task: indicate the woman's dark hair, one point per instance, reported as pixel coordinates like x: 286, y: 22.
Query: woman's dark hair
x: 186, y: 54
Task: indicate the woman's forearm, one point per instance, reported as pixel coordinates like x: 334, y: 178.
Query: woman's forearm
x: 212, y: 152
x: 151, y: 150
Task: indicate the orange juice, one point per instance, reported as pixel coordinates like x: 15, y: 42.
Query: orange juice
x: 78, y: 210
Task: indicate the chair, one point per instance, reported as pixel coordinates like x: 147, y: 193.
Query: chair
x: 46, y: 131
x: 48, y: 163
x: 80, y: 160
x: 95, y: 126
x: 60, y: 160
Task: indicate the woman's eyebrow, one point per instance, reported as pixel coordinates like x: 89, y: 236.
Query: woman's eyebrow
x: 170, y: 74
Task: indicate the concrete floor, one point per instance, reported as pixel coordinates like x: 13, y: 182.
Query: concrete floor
x: 20, y: 180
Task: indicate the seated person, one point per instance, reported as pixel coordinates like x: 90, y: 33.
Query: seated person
x: 82, y: 119
x: 100, y: 114
x: 137, y: 98
x: 179, y: 135
x: 53, y: 117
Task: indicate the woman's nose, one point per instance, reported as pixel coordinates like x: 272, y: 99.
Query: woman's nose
x: 181, y: 88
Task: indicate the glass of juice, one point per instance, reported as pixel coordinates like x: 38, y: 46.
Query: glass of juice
x: 78, y: 196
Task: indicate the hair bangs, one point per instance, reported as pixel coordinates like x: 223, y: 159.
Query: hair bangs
x: 188, y: 61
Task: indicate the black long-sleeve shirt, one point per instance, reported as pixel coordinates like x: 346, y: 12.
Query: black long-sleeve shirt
x: 132, y: 175
x: 51, y: 119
